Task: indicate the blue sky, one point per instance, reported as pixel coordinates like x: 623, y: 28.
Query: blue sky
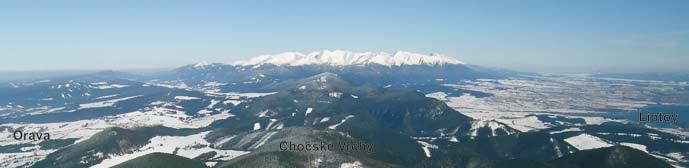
x: 538, y: 36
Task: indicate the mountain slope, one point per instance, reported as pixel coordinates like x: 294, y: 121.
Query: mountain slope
x: 272, y: 148
x: 311, y: 101
x: 385, y: 117
x: 155, y: 160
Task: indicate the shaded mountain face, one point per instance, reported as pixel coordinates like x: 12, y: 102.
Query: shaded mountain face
x: 268, y: 148
x: 327, y: 101
x: 387, y: 118
x: 612, y: 157
x: 161, y: 160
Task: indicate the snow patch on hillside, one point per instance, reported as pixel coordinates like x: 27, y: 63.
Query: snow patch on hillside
x: 186, y: 98
x: 341, y: 122
x: 355, y: 164
x: 111, y: 86
x: 427, y: 147
x: 308, y: 110
x: 326, y: 119
x: 335, y: 94
x: 635, y: 146
x: 257, y: 126
x: 491, y: 125
x: 585, y: 141
x: 676, y: 156
x: 525, y: 124
x: 566, y: 130
x: 107, y: 96
x: 107, y: 103
x: 438, y: 95
x: 263, y: 140
x: 233, y: 102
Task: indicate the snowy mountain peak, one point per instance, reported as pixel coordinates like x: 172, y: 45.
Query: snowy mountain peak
x: 201, y: 64
x: 205, y: 65
x: 343, y: 58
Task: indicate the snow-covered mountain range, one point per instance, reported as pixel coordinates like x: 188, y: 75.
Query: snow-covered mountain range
x: 344, y: 58
x: 418, y: 111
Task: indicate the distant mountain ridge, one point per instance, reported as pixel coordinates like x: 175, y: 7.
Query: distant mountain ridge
x: 400, y: 70
x: 664, y: 76
x: 344, y: 58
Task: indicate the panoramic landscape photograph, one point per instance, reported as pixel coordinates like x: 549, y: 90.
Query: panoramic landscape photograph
x: 344, y: 84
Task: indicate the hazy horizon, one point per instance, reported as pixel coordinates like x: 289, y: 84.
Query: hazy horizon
x: 530, y: 36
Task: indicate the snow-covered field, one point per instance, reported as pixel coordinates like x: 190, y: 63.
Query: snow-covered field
x: 83, y: 129
x: 516, y: 101
x: 520, y: 102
